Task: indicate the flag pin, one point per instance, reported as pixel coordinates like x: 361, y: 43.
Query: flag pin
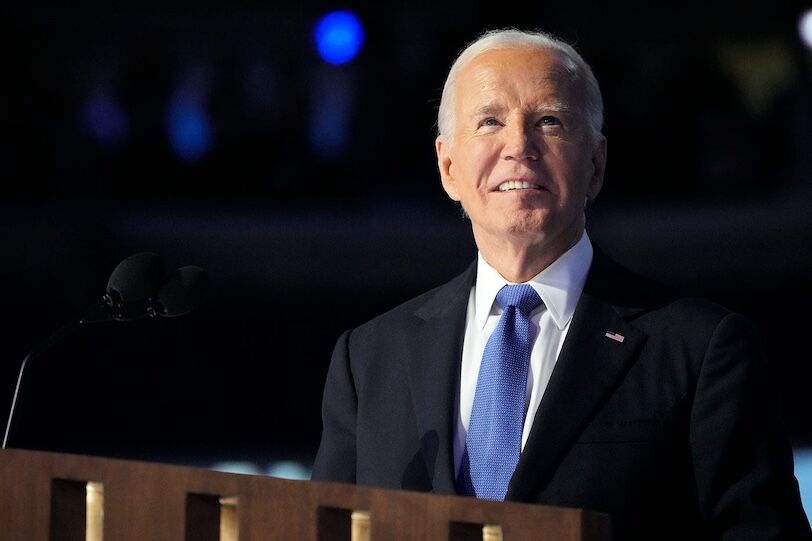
x: 615, y: 336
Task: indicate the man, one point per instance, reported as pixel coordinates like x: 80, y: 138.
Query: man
x: 624, y: 398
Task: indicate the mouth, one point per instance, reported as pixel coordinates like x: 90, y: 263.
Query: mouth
x: 510, y: 185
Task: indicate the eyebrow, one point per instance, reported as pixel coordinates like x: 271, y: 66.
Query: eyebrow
x: 558, y: 106
x: 492, y: 109
x: 487, y: 109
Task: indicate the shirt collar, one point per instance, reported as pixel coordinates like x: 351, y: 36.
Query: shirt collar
x: 559, y: 285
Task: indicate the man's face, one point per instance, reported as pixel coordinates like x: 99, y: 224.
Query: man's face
x: 521, y: 158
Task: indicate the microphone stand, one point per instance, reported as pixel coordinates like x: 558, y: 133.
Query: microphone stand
x: 179, y: 294
x: 97, y: 312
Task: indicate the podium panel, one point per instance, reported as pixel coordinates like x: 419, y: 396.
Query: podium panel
x: 63, y: 497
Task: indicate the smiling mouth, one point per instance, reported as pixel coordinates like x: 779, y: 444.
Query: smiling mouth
x: 517, y: 185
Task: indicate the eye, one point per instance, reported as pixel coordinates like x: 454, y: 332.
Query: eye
x: 490, y: 122
x: 549, y: 120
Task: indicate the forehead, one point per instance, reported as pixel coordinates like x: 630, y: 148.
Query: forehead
x: 531, y: 76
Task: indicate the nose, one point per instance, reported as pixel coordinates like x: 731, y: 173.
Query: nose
x: 520, y: 144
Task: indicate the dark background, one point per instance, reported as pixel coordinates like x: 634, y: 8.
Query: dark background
x: 317, y: 205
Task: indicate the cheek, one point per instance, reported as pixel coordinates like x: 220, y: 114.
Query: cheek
x: 464, y: 169
x: 481, y: 163
x: 572, y: 171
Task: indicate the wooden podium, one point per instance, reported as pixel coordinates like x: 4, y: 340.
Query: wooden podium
x: 62, y: 497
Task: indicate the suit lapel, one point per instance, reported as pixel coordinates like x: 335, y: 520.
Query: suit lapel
x: 589, y: 367
x: 434, y: 363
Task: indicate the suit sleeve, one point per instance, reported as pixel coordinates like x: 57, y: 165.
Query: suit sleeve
x: 336, y: 457
x: 741, y: 453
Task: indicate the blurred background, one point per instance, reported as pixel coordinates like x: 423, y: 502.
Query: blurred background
x: 287, y: 149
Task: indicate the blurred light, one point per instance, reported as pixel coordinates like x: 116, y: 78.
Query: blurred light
x: 288, y: 469
x: 104, y: 120
x: 803, y: 472
x: 339, y: 37
x: 94, y: 511
x: 805, y: 27
x: 243, y: 467
x: 328, y: 130
x: 332, y: 101
x: 283, y: 469
x: 190, y: 133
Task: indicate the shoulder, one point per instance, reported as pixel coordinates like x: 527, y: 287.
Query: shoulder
x: 655, y: 305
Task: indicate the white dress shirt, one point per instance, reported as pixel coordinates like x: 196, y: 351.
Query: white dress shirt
x: 559, y: 286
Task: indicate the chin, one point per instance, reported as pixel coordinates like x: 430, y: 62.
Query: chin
x: 526, y: 223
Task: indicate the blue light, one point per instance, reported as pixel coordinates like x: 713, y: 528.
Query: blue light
x: 803, y: 472
x: 339, y: 37
x: 190, y: 131
x: 105, y: 120
x: 289, y: 469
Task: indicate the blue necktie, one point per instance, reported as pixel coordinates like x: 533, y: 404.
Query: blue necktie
x: 494, y: 439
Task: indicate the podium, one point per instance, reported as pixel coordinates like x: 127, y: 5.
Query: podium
x: 48, y: 496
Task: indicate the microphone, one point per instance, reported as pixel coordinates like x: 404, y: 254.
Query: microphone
x: 131, y: 289
x: 138, y: 287
x: 182, y: 293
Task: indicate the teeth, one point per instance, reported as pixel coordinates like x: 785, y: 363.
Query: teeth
x: 514, y: 185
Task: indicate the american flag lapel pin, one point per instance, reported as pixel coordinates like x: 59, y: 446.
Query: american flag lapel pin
x: 615, y: 336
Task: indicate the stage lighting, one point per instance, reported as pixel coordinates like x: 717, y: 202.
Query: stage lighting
x: 339, y: 37
x: 104, y: 120
x: 805, y: 28
x: 190, y: 131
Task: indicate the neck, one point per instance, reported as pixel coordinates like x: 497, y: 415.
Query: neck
x: 517, y: 260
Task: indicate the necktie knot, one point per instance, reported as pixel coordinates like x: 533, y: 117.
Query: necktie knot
x: 522, y: 296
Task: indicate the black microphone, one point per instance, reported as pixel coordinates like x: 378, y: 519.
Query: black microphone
x: 182, y: 293
x: 131, y: 289
x: 138, y: 287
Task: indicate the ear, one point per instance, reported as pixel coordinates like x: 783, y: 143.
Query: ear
x: 598, y: 168
x: 444, y: 165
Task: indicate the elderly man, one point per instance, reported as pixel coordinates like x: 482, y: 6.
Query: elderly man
x: 545, y: 372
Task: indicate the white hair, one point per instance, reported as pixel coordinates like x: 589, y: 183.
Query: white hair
x: 511, y: 38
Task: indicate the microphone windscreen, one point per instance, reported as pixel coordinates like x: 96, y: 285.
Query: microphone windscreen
x: 183, y: 292
x: 138, y: 277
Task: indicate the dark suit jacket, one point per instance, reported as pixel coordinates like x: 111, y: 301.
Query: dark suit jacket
x: 674, y: 431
